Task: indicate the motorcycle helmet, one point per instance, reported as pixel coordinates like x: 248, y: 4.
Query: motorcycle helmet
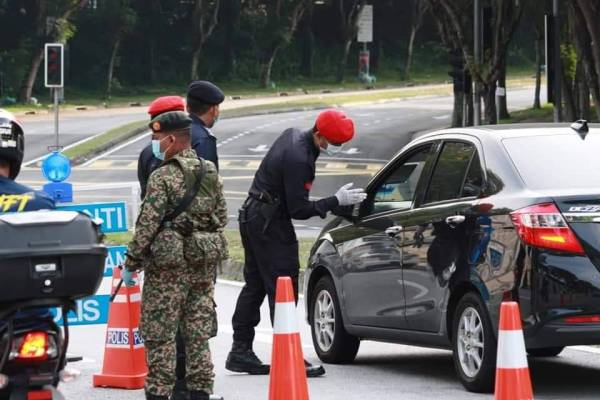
x: 12, y: 142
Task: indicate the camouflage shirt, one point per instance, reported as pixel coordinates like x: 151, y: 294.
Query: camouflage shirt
x: 166, y: 188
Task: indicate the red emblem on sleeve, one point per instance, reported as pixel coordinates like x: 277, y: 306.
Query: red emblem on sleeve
x: 308, y: 185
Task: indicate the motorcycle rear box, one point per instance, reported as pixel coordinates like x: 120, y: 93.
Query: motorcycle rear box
x: 49, y: 254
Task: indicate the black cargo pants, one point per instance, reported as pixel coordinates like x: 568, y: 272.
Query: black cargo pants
x: 269, y: 254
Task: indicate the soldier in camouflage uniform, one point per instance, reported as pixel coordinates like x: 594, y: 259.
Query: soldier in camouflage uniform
x: 180, y: 257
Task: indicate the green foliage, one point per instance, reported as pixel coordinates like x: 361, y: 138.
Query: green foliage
x: 568, y: 54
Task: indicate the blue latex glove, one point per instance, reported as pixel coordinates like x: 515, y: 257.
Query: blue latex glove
x: 127, y: 276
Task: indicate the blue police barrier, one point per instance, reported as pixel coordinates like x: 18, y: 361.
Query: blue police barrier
x: 116, y: 256
x: 113, y: 215
x: 89, y: 311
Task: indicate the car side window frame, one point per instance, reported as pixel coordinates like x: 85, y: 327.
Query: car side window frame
x: 425, y: 175
x: 478, y: 151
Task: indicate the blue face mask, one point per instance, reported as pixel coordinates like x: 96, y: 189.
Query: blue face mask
x: 156, y: 150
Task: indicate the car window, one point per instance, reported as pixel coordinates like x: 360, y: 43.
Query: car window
x: 397, y: 191
x: 450, y: 171
x: 474, y: 180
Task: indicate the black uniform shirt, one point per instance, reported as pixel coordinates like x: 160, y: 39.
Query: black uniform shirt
x: 203, y: 143
x: 287, y: 172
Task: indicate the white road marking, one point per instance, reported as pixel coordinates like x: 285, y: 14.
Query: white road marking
x: 115, y: 149
x: 446, y: 116
x: 261, y: 148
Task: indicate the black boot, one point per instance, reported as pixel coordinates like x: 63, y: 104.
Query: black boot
x: 241, y: 358
x: 199, y: 395
x: 180, y: 391
x: 150, y: 396
x: 312, y: 371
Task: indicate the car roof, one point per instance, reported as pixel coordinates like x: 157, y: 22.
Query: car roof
x: 504, y: 131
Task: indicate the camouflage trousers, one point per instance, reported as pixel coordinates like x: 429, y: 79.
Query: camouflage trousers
x: 174, y: 298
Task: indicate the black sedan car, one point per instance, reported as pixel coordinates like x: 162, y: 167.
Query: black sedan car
x: 457, y: 222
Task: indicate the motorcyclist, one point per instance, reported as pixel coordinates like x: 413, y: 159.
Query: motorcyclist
x: 15, y: 197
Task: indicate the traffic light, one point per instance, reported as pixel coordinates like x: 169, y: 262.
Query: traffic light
x: 54, y: 65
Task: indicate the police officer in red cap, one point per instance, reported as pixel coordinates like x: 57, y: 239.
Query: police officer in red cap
x: 280, y: 193
x: 147, y: 162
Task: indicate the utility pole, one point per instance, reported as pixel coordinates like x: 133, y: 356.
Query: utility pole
x: 557, y: 64
x: 477, y: 35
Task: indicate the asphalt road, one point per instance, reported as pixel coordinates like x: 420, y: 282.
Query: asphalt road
x: 381, y: 131
x: 381, y: 370
x: 39, y: 131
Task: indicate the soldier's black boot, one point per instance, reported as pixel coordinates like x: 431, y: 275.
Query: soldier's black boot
x: 180, y: 391
x: 202, y: 395
x: 150, y: 396
x: 312, y: 371
x: 241, y: 358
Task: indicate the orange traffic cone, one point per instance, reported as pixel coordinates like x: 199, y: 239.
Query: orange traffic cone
x: 288, y: 377
x: 512, y: 372
x: 124, y: 356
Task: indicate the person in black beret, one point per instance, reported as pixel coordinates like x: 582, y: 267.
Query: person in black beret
x: 203, y: 100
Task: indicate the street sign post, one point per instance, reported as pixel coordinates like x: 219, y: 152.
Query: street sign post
x: 364, y: 36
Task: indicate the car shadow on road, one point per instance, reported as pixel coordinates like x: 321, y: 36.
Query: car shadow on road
x: 564, y: 379
x: 553, y: 378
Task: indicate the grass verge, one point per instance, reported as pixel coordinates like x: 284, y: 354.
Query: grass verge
x: 86, y: 150
x: 544, y: 114
x: 236, y: 250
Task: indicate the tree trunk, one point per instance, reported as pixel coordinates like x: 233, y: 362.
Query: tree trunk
x: 457, y: 112
x: 503, y: 99
x: 196, y: 62
x: 341, y: 73
x: 489, y: 102
x: 232, y: 23
x: 539, y: 56
x: 567, y: 90
x: 308, y: 44
x: 111, y: 67
x: 582, y: 41
x: 28, y: 82
x: 409, y: 52
x: 266, y: 67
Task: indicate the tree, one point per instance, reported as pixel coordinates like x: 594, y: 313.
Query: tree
x: 418, y: 8
x: 348, y: 14
x: 118, y: 19
x: 54, y: 27
x: 583, y: 17
x: 231, y: 12
x: 308, y: 42
x: 204, y: 21
x: 506, y: 15
x: 280, y: 18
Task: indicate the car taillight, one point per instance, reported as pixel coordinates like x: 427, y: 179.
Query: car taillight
x: 543, y: 226
x: 584, y: 319
x: 34, y: 346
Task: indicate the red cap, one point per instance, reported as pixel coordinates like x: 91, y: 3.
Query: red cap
x: 164, y: 104
x: 335, y: 126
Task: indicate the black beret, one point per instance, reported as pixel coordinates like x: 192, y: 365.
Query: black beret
x: 205, y: 92
x: 170, y: 121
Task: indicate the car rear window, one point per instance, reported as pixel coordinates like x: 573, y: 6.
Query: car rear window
x: 556, y: 161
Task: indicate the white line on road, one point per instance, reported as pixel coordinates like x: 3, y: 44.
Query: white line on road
x: 446, y: 116
x: 114, y: 150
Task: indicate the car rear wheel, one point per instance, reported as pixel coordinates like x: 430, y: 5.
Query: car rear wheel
x: 474, y: 344
x: 331, y: 341
x: 545, y: 352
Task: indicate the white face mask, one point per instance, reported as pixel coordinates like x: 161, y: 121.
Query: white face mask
x: 332, y: 150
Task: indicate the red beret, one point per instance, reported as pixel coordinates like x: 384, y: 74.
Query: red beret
x: 164, y: 104
x: 335, y: 126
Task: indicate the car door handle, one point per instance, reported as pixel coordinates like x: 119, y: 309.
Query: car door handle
x: 394, y: 231
x: 455, y: 220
